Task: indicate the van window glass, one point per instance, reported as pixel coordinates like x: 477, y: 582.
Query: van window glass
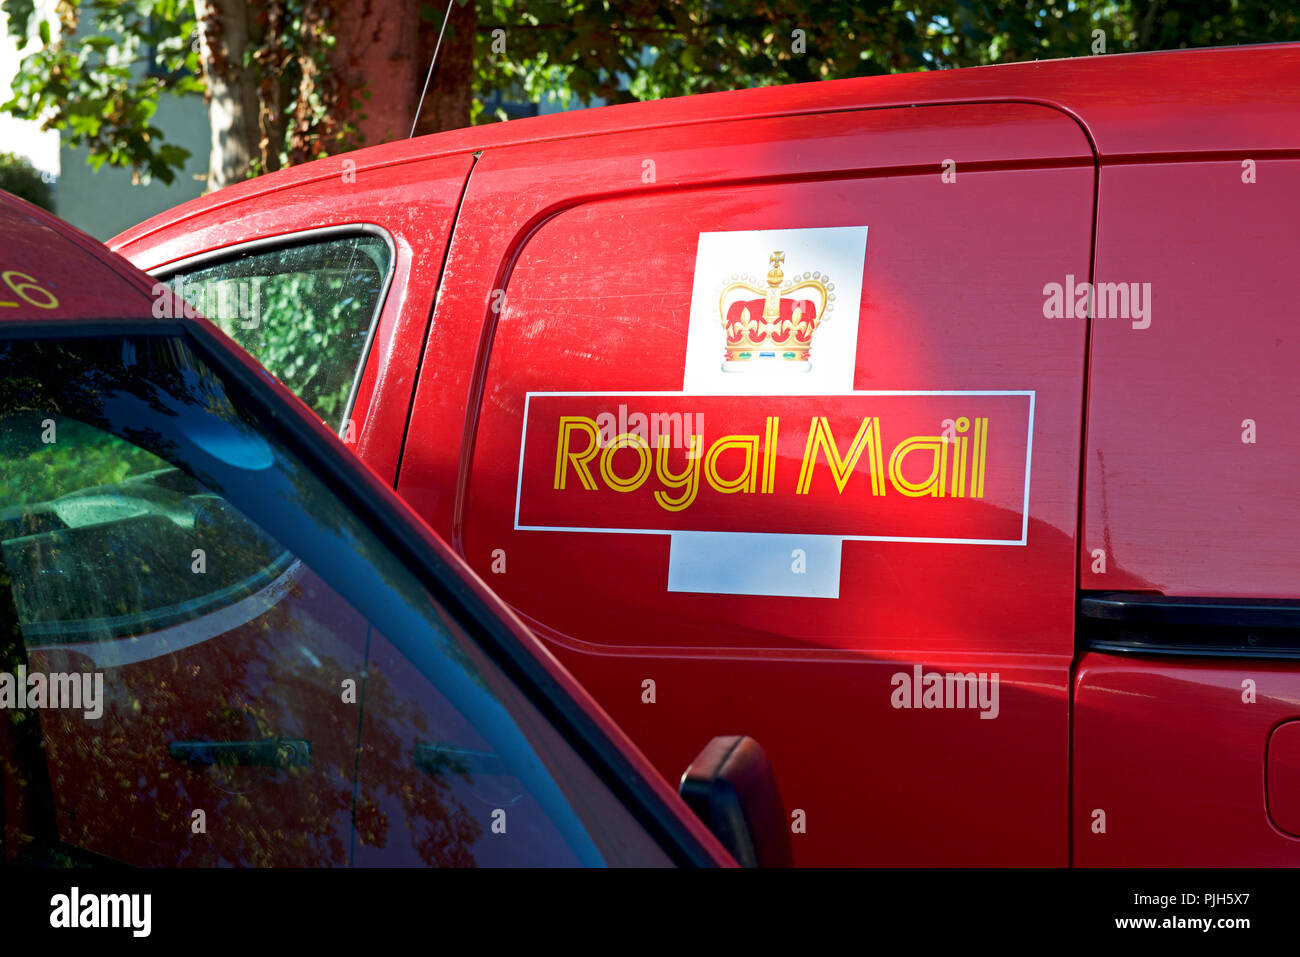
x: 304, y: 311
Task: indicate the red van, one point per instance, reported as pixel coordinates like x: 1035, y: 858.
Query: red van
x: 223, y: 642
x: 841, y: 414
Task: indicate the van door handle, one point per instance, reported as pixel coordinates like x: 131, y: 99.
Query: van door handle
x: 269, y: 752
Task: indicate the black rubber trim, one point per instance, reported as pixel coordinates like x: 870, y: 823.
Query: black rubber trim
x: 1136, y: 623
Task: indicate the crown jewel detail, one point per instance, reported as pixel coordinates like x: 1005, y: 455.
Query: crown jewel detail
x: 774, y: 322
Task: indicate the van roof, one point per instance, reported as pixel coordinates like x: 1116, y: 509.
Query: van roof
x: 1227, y: 101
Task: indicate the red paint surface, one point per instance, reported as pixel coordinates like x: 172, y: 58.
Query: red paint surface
x: 1174, y: 755
x: 1179, y: 102
x: 1177, y: 499
x: 48, y: 270
x: 1283, y: 777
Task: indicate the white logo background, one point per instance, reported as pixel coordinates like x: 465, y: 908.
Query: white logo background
x: 837, y: 251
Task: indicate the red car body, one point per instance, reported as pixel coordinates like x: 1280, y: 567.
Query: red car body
x: 1020, y: 223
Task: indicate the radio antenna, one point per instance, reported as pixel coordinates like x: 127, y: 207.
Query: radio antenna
x: 429, y: 75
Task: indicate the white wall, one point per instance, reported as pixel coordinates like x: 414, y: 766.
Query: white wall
x: 103, y: 202
x: 23, y: 137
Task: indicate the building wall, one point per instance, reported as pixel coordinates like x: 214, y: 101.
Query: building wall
x: 104, y: 202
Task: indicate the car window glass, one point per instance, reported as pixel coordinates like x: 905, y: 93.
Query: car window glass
x: 219, y: 664
x: 105, y: 539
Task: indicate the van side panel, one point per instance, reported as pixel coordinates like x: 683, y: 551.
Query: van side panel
x: 837, y: 625
x: 1193, y: 440
x: 1194, y: 407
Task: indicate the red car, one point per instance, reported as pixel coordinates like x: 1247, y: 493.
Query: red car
x: 225, y: 642
x: 841, y: 414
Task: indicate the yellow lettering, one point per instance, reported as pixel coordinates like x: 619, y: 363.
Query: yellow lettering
x: 769, y: 455
x: 959, y: 459
x: 981, y: 452
x: 688, y: 480
x: 747, y: 480
x: 568, y: 425
x: 934, y: 482
x: 628, y: 440
x: 821, y: 438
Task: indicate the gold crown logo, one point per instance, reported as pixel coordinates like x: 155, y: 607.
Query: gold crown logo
x: 772, y: 327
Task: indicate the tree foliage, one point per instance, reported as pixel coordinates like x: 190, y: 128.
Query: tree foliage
x: 582, y: 51
x: 85, y: 84
x: 19, y: 177
x: 101, y: 66
x: 600, y: 50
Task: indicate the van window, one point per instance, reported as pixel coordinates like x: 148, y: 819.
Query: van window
x: 304, y: 311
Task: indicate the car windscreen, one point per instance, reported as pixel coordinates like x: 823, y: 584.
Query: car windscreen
x: 252, y: 636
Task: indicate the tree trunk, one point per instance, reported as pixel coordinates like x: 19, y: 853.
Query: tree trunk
x: 451, y: 90
x: 378, y: 51
x: 224, y: 32
x: 383, y: 49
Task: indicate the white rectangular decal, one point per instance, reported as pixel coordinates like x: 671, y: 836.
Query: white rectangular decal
x: 775, y: 311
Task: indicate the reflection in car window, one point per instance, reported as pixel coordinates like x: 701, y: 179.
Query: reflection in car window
x: 303, y: 311
x: 94, y: 536
x: 275, y: 687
